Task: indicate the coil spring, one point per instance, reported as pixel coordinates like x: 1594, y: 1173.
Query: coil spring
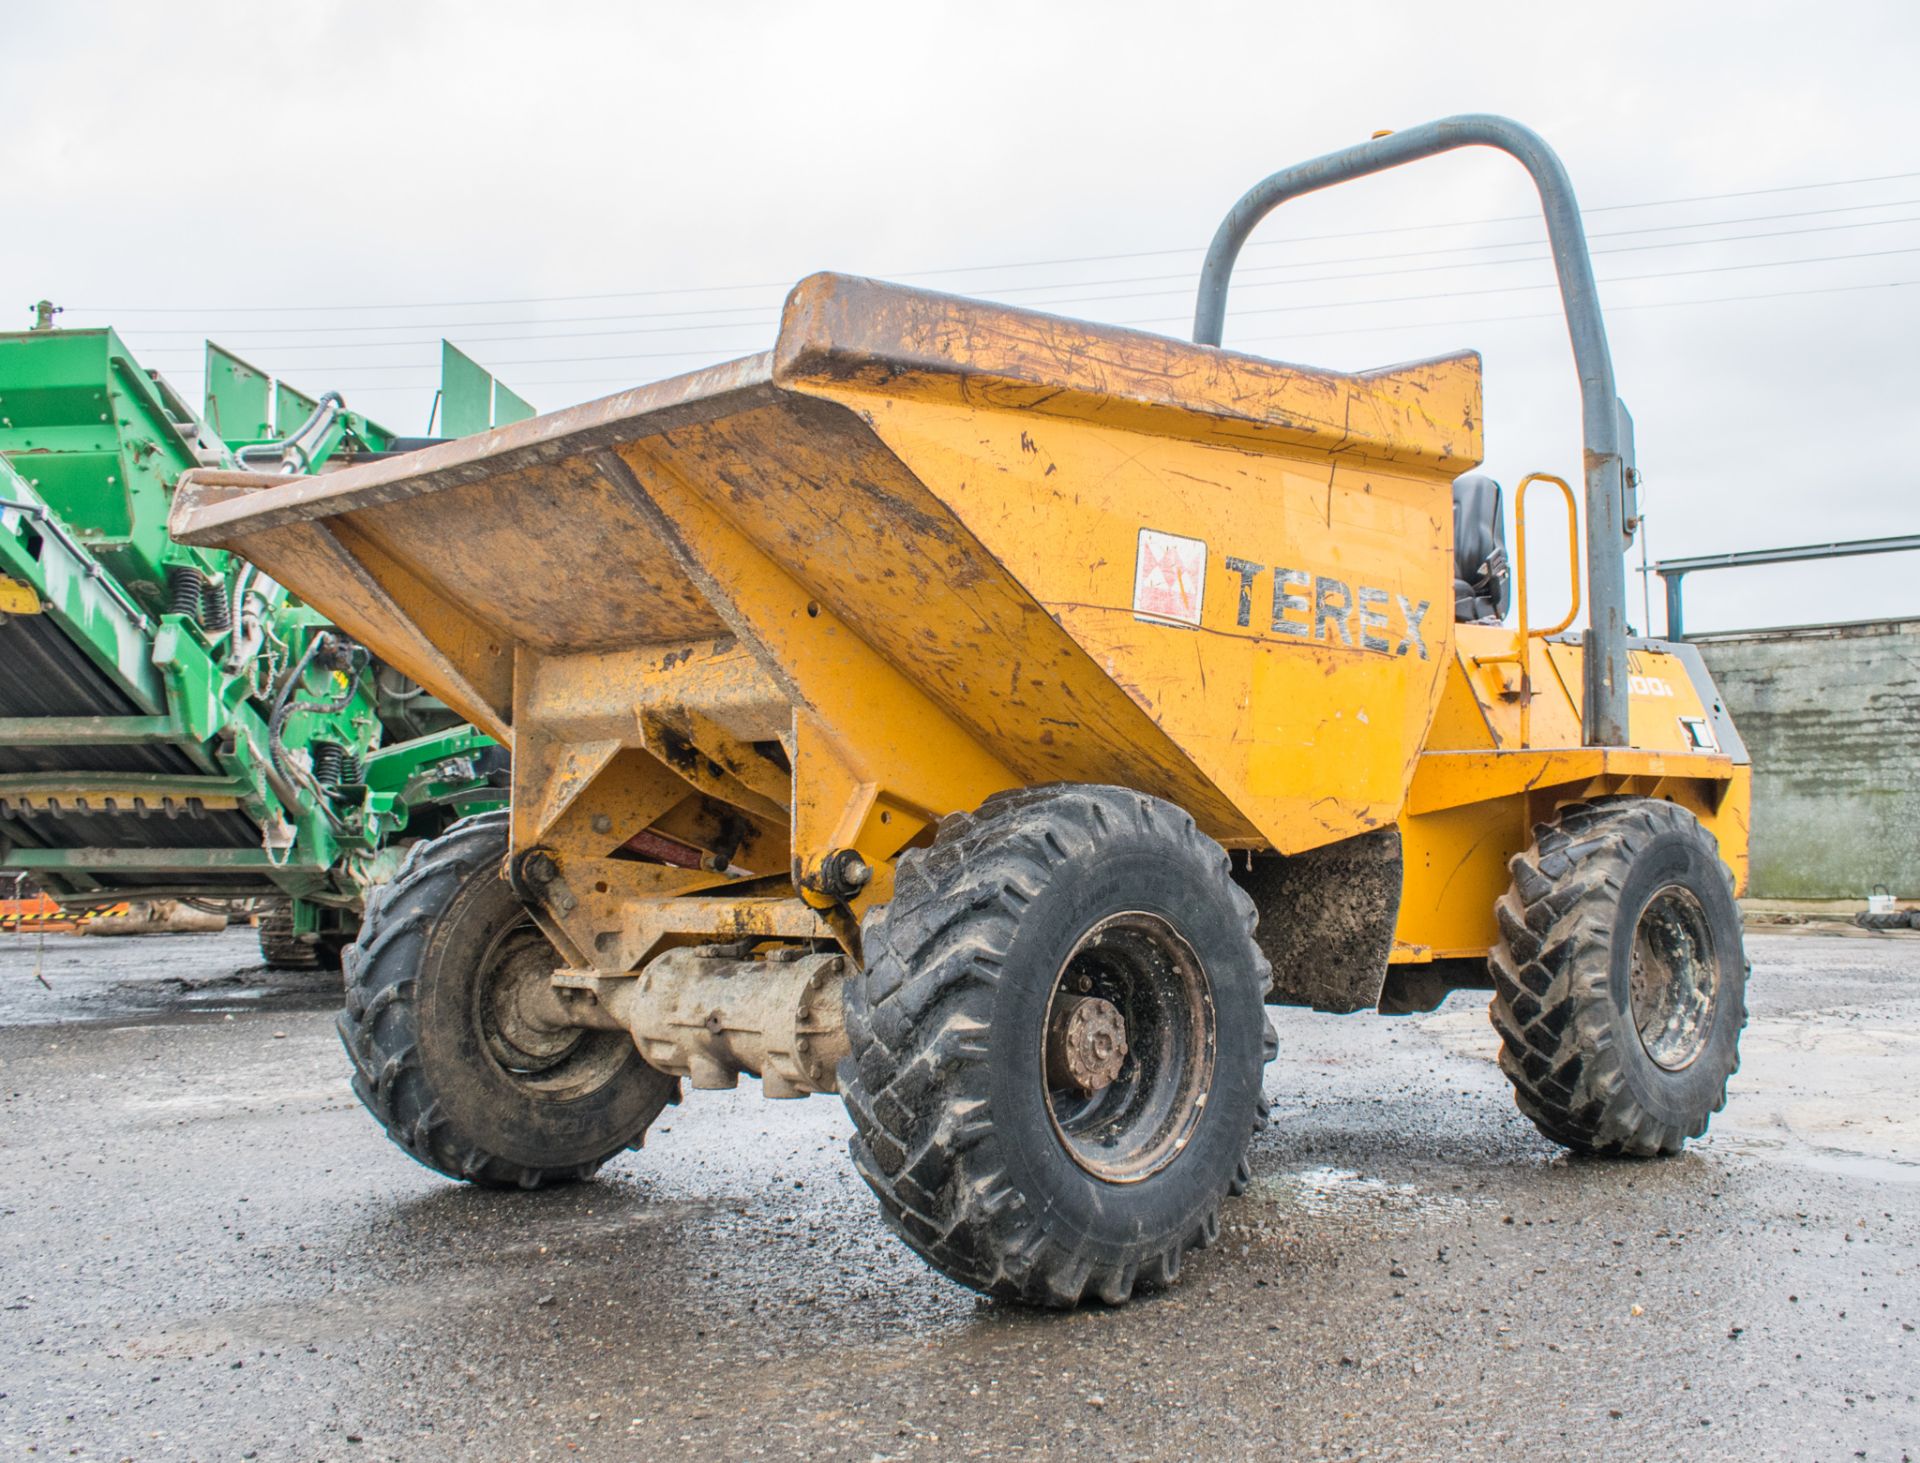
x: 334, y: 765
x: 329, y: 761
x: 187, y: 591
x: 216, y: 610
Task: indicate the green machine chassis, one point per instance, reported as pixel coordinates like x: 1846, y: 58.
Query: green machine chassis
x: 173, y: 724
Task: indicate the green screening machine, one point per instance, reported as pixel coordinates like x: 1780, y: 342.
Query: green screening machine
x: 173, y: 724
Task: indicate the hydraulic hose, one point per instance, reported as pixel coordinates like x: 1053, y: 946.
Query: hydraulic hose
x: 284, y: 707
x: 295, y: 452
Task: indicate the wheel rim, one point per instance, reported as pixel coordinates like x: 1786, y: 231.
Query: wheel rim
x: 1127, y: 1051
x: 514, y: 1009
x: 1676, y: 978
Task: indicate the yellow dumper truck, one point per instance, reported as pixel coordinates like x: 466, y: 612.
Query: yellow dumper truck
x: 984, y: 715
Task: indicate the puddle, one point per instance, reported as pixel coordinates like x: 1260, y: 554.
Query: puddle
x: 56, y: 979
x: 1757, y: 1148
x: 1344, y: 1193
x: 238, y: 1099
x: 254, y: 991
x: 1830, y: 1089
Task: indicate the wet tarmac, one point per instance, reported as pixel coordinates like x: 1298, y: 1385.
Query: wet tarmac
x: 208, y: 1251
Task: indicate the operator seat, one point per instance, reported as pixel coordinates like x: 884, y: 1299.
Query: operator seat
x: 1482, y: 581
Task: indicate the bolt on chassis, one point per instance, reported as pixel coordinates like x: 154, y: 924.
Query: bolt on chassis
x: 983, y: 715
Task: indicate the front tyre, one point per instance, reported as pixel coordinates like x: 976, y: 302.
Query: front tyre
x: 1620, y: 978
x: 447, y: 965
x: 1058, y: 1041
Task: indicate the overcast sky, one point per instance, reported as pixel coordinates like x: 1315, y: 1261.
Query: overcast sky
x: 317, y: 186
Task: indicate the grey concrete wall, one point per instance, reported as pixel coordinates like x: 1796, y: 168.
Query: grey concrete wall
x: 1831, y: 715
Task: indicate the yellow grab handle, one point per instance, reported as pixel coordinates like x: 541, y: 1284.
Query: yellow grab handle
x: 1520, y: 543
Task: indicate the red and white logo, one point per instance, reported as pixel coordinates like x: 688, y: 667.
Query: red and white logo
x: 1169, y: 574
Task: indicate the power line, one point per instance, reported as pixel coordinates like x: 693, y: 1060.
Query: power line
x: 976, y: 268
x: 759, y: 320
x: 1290, y: 336
x: 1843, y: 289
x: 762, y: 321
x: 1351, y: 330
x: 1484, y: 263
x: 1511, y: 244
x: 1149, y: 294
x: 1515, y: 288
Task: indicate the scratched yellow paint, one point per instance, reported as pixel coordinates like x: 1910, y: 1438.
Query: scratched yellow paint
x: 927, y: 549
x: 1307, y: 722
x: 1455, y: 867
x: 1465, y: 819
x: 1661, y: 696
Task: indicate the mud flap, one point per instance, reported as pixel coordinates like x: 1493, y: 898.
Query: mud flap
x: 1327, y: 919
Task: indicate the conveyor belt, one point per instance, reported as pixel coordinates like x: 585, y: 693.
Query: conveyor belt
x: 42, y: 673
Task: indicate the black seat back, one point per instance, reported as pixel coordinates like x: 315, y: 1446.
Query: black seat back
x: 1482, y: 582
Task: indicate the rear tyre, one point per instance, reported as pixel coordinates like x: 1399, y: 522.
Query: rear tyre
x: 1058, y: 1041
x: 439, y: 1053
x: 1620, y: 978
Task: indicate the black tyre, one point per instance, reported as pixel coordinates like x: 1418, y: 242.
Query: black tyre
x: 439, y: 1054
x: 1057, y: 1045
x: 281, y: 949
x: 1893, y: 919
x: 1620, y: 978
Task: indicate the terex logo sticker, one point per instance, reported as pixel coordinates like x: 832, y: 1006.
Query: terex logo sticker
x: 1169, y: 578
x: 1319, y: 607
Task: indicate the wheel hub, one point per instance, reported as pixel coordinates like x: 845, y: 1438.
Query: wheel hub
x: 1086, y: 1043
x: 1675, y: 979
x: 1127, y: 1051
x: 519, y: 1032
x: 528, y: 1032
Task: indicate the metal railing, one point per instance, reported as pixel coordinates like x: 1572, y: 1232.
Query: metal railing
x: 1673, y: 572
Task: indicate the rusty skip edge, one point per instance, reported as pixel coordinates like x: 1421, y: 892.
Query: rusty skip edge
x: 834, y: 328
x: 857, y: 332
x: 213, y: 508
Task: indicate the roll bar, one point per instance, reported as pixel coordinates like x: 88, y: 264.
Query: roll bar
x: 1606, y: 428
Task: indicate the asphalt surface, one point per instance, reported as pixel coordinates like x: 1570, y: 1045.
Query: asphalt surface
x: 208, y: 1251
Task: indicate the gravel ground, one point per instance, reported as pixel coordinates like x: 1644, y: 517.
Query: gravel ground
x: 209, y: 1251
